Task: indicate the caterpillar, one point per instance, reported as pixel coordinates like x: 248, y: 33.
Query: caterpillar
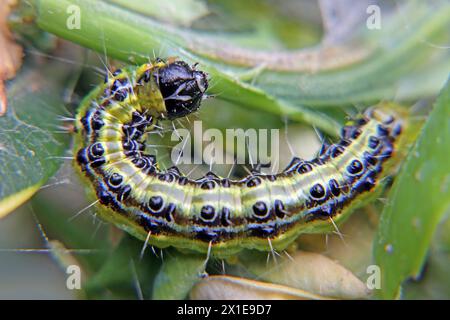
x: 215, y: 214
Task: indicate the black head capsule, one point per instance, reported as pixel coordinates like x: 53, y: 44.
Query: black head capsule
x: 182, y: 88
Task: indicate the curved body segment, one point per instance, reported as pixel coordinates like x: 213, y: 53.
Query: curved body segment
x: 259, y: 211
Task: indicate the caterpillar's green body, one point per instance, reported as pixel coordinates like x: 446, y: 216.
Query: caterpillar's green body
x: 261, y: 211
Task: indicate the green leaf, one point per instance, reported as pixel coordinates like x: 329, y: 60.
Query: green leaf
x: 434, y: 282
x: 178, y: 275
x: 182, y: 12
x: 418, y: 200
x: 29, y: 142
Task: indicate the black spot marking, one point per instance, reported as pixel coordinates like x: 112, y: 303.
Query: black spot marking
x: 96, y: 150
x: 334, y: 187
x: 336, y: 151
x: 347, y: 131
x: 98, y: 162
x: 365, y: 185
x: 208, y: 185
x: 139, y: 163
x: 124, y: 193
x: 382, y: 130
x: 260, y: 210
x: 225, y: 216
x: 104, y: 196
x: 132, y: 145
x: 207, y: 213
x: 356, y: 133
x: 96, y: 121
x: 317, y: 191
x: 166, y: 177
x: 397, y: 130
x: 279, y: 209
x: 355, y: 167
x: 115, y: 180
x: 253, y: 182
x: 150, y: 225
x: 206, y: 235
x: 182, y: 181
x: 387, y: 151
x: 293, y: 164
x: 119, y: 89
x: 81, y: 157
x: 304, y: 168
x: 323, y: 148
x: 169, y: 212
x: 389, y: 119
x: 131, y: 132
x: 370, y: 159
x: 326, y: 210
x: 211, y: 175
x: 84, y: 121
x: 262, y: 231
x: 156, y: 203
x: 362, y: 121
x: 345, y: 142
x: 225, y: 183
x: 175, y: 171
x: 373, y: 142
